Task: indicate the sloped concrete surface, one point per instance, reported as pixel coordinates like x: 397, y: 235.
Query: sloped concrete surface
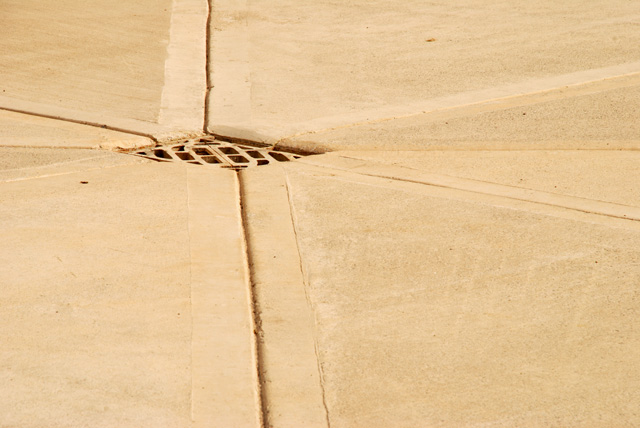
x: 98, y: 55
x: 23, y: 130
x: 103, y: 255
x: 310, y: 62
x: 435, y: 311
x: 96, y: 320
x: 465, y: 254
x: 600, y: 116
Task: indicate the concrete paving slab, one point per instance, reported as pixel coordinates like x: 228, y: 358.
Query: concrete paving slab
x: 124, y: 294
x: 82, y: 56
x: 291, y: 377
x: 225, y: 388
x: 408, y: 288
x: 23, y: 130
x: 18, y: 164
x: 136, y: 68
x: 608, y: 176
x: 434, y: 310
x: 597, y: 115
x: 97, y: 316
x: 309, y: 61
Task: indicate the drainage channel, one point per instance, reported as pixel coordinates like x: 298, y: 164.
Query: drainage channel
x: 208, y: 150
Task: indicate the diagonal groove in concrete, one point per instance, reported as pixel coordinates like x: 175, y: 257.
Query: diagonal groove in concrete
x: 124, y: 125
x: 474, y: 102
x: 181, y: 108
x: 409, y: 175
x: 305, y: 279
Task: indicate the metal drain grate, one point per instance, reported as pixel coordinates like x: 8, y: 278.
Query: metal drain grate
x: 211, y: 151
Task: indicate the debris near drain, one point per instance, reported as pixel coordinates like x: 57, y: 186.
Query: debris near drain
x: 211, y: 151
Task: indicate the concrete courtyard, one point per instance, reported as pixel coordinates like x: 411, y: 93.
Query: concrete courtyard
x: 459, y: 246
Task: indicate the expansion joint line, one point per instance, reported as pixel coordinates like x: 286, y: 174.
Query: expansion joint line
x: 303, y: 271
x: 207, y: 65
x: 115, y: 128
x: 253, y: 306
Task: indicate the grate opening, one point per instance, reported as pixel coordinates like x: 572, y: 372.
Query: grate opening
x: 159, y: 153
x: 210, y: 159
x: 211, y: 151
x: 185, y: 156
x: 255, y: 154
x: 239, y: 159
x: 279, y: 156
x: 228, y: 150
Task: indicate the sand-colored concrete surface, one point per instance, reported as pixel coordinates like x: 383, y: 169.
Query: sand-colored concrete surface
x: 23, y: 130
x: 464, y: 254
x: 99, y: 55
x: 322, y: 59
x: 291, y: 378
x: 225, y: 389
x: 96, y: 319
x: 103, y: 255
x: 439, y: 312
x: 17, y: 163
x: 608, y: 176
x: 600, y: 115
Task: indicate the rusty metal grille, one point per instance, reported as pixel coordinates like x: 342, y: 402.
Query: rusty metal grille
x: 213, y: 152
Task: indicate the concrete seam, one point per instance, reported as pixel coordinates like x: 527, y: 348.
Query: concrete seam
x: 13, y: 180
x: 207, y: 66
x: 56, y: 163
x: 82, y: 122
x: 568, y: 205
x: 305, y: 280
x: 183, y: 93
x: 254, y: 306
x: 426, y: 108
x: 230, y: 83
x: 186, y: 189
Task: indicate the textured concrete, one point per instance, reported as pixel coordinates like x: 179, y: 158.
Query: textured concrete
x: 608, y: 176
x: 18, y: 163
x: 291, y: 378
x: 467, y: 255
x: 225, y: 388
x: 123, y: 305
x: 436, y: 311
x: 96, y: 319
x: 137, y: 67
x: 600, y: 115
x: 98, y: 55
x: 311, y: 60
x: 23, y: 130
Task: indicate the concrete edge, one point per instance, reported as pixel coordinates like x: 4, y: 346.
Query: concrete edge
x: 225, y: 391
x: 565, y: 206
x: 300, y: 137
x: 464, y: 99
x: 185, y: 79
x: 245, y: 134
x: 152, y: 131
x: 229, y: 99
x: 291, y: 375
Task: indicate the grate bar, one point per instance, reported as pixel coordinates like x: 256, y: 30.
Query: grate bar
x: 211, y: 151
